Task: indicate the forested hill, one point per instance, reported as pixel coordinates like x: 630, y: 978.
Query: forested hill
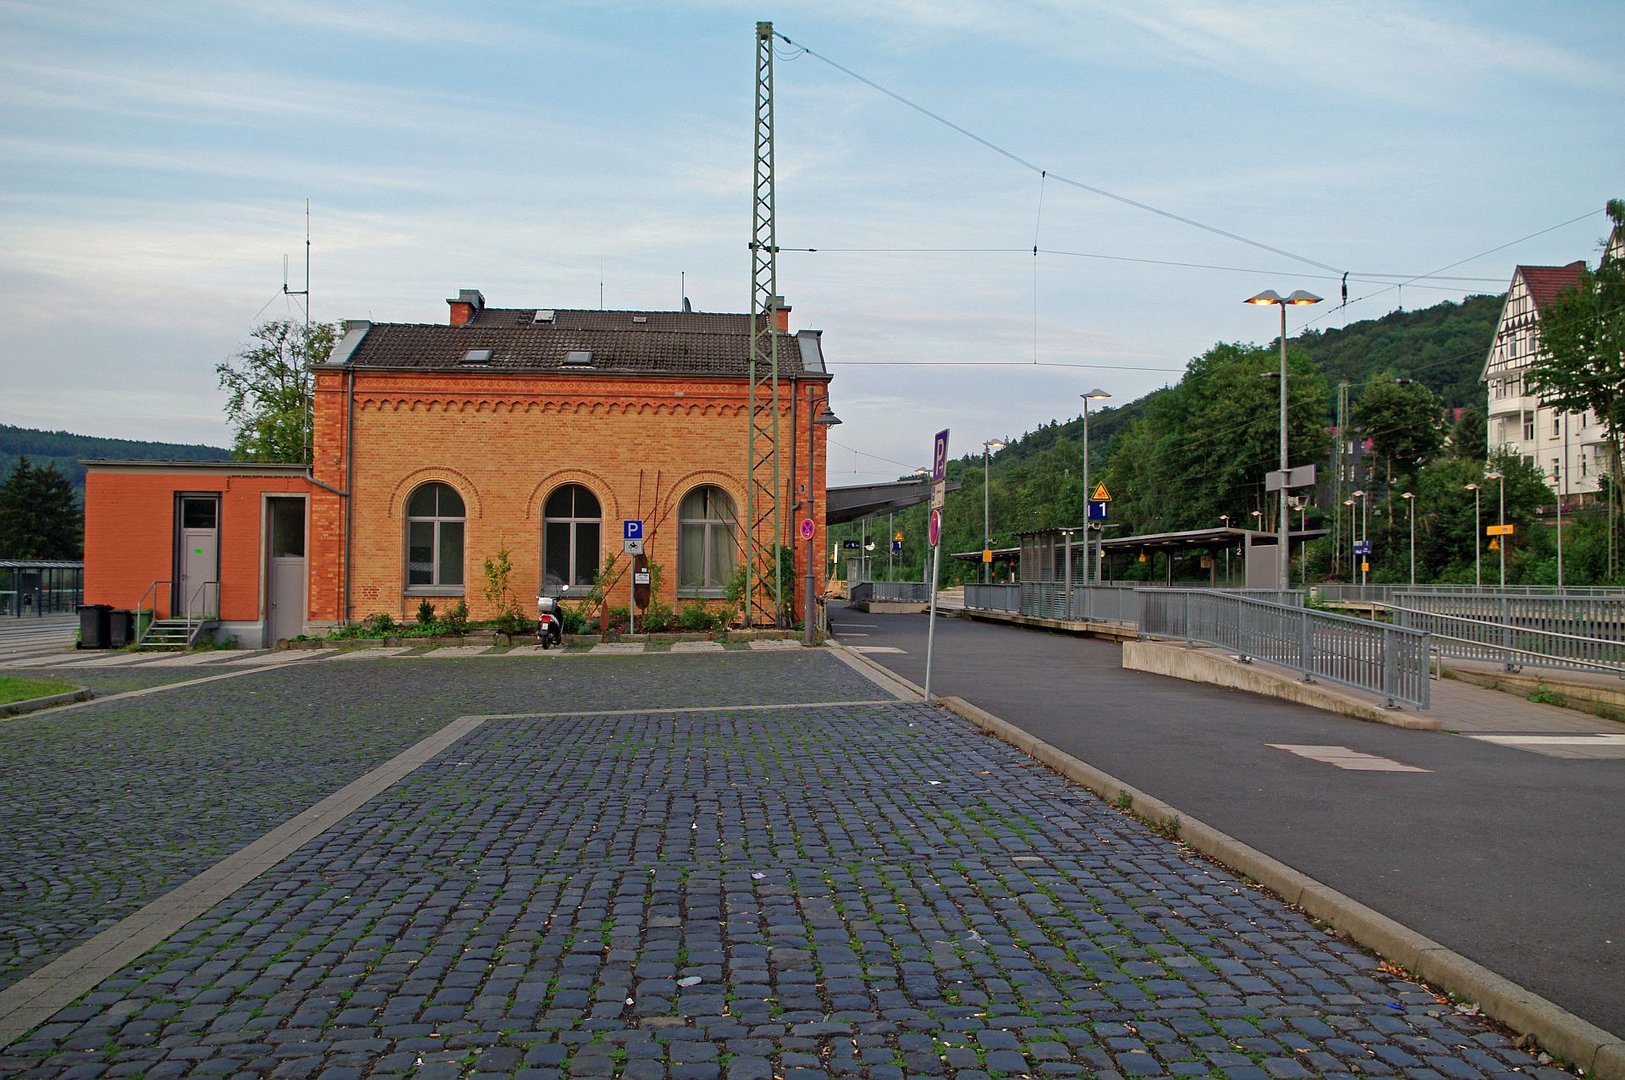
x: 1442, y: 347
x: 65, y: 451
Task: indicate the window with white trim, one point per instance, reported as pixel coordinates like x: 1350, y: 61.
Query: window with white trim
x: 572, y: 525
x: 434, y: 539
x: 707, y: 542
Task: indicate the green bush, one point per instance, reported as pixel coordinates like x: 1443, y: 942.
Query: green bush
x: 425, y: 613
x: 696, y: 618
x: 512, y: 623
x: 572, y: 620
x: 657, y: 619
x: 455, y: 621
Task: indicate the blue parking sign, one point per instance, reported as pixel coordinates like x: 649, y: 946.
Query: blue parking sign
x: 631, y: 529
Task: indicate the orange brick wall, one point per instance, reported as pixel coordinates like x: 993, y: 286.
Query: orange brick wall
x: 505, y: 442
x: 130, y: 534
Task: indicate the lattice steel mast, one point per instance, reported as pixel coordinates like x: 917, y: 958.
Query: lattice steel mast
x: 764, y: 591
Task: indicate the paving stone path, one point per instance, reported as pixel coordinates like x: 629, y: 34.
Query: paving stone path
x: 690, y: 875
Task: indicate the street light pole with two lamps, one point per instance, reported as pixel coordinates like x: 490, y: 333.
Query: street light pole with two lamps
x: 1478, y: 543
x: 1410, y: 505
x: 1297, y: 299
x: 1096, y: 394
x: 987, y: 536
x: 822, y: 417
x: 1365, y: 537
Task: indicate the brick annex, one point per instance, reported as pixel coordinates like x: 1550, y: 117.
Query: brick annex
x: 436, y: 446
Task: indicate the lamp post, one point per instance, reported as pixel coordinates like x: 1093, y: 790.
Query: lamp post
x: 821, y: 418
x: 1350, y: 504
x: 1478, y: 545
x: 1096, y: 394
x: 1501, y: 540
x: 1557, y: 487
x: 1226, y: 519
x: 1410, y: 504
x: 1365, y: 556
x: 987, y: 536
x: 1297, y: 299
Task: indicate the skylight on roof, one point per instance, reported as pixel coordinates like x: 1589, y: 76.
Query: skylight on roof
x: 581, y: 357
x: 477, y: 356
x: 543, y: 315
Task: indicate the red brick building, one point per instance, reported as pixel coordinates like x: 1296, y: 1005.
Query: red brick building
x: 438, y: 445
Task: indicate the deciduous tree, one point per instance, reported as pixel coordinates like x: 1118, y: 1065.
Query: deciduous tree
x: 269, y: 389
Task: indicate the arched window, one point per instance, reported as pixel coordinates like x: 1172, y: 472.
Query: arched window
x: 707, y: 542
x: 571, y: 527
x: 434, y: 538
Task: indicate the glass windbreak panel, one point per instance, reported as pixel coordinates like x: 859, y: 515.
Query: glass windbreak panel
x: 199, y: 513
x: 586, y: 552
x: 287, y: 529
x: 451, y: 553
x: 420, y: 553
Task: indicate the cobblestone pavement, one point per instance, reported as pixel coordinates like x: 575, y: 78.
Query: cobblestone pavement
x: 860, y: 889
x: 106, y: 806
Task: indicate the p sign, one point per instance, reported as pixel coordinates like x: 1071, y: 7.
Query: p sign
x: 631, y: 529
x: 939, y: 457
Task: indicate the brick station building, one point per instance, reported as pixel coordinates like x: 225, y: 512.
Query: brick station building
x: 438, y: 445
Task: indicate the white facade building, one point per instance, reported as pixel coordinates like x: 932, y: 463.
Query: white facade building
x: 1569, y: 449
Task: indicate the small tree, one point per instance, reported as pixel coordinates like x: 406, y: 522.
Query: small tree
x: 269, y: 390
x: 39, y: 518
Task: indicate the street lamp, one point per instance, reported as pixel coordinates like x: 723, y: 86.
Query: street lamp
x: 1365, y: 556
x: 821, y: 418
x: 1501, y: 538
x: 1297, y: 299
x: 1478, y: 541
x: 1557, y: 489
x: 987, y: 537
x: 1410, y: 505
x: 1096, y: 394
x: 1353, y: 538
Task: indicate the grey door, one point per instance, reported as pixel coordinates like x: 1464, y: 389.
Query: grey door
x: 285, y: 568
x: 197, y: 585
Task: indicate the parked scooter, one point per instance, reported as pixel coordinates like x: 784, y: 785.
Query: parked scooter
x: 549, y: 620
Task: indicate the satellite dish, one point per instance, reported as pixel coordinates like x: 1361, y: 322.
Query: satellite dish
x: 687, y: 307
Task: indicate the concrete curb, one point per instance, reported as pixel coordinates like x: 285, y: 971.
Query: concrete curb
x: 18, y: 708
x: 1205, y: 665
x: 1559, y: 1032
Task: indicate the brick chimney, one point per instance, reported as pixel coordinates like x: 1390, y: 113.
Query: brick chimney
x: 781, y: 315
x: 466, y: 306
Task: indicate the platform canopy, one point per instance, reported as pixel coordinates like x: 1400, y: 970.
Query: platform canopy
x: 867, y: 500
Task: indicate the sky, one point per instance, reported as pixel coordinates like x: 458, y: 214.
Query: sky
x: 1167, y: 159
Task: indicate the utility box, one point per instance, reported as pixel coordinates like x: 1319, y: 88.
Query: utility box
x: 93, y: 625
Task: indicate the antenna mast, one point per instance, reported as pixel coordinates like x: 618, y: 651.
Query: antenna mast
x: 307, y: 421
x: 764, y: 591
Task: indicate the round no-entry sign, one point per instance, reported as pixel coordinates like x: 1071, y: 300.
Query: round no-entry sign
x: 936, y: 527
x: 806, y: 528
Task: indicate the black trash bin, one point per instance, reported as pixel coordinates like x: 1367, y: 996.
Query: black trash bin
x: 93, y: 625
x: 119, y: 631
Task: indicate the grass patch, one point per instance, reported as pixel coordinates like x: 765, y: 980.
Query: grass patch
x: 14, y: 689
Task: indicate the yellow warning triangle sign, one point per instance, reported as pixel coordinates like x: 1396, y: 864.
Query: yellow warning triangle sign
x: 1101, y: 494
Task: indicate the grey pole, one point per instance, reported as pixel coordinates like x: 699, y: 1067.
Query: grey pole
x: 815, y: 419
x: 1096, y: 394
x: 1501, y: 540
x: 1410, y: 504
x: 1284, y: 578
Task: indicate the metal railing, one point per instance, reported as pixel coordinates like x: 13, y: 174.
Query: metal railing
x: 915, y: 592
x: 1388, y: 660
x: 1115, y: 602
x: 199, y: 609
x: 1572, y: 633
x: 1337, y: 592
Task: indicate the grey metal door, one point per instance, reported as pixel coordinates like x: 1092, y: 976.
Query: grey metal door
x: 285, y: 568
x: 197, y: 588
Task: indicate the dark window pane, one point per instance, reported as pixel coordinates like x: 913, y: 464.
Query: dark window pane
x: 287, y: 528
x: 559, y: 503
x: 586, y: 552
x: 451, y: 503
x: 422, y: 503
x: 199, y: 513
x: 451, y: 553
x: 587, y: 504
x: 556, y: 539
x: 420, y: 553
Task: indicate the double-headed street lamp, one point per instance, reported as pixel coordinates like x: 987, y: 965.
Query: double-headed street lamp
x: 1410, y: 505
x: 1096, y: 394
x: 1501, y: 538
x: 1297, y: 299
x: 987, y: 536
x: 1478, y: 543
x: 821, y: 416
x: 1365, y: 536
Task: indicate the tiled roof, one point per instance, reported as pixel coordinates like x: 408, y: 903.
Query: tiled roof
x: 653, y: 342
x: 1545, y: 282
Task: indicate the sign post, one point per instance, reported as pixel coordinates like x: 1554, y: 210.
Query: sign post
x: 632, y: 541
x: 939, y: 476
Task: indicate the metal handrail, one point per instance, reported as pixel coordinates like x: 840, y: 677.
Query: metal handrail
x: 1388, y: 660
x: 198, y: 612
x: 141, y: 605
x: 1513, y: 645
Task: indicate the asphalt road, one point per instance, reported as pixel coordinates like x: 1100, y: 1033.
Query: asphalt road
x: 1514, y: 859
